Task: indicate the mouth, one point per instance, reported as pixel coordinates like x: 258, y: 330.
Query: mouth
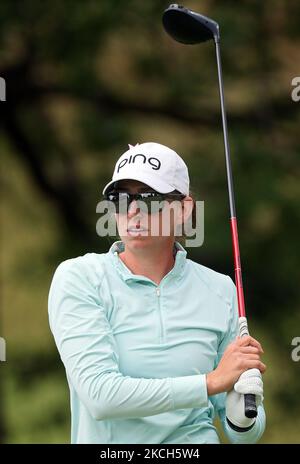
x: 134, y: 231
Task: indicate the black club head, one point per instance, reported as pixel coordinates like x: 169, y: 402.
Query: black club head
x: 189, y: 27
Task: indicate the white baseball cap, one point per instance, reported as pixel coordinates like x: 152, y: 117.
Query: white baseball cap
x: 153, y: 164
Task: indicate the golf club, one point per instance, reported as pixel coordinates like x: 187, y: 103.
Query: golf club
x: 188, y: 27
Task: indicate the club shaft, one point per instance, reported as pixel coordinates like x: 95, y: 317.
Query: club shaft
x: 225, y: 133
x: 233, y: 219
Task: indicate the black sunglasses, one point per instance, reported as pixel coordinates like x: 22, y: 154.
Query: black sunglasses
x: 148, y: 202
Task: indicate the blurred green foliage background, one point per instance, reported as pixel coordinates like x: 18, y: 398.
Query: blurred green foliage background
x: 84, y: 79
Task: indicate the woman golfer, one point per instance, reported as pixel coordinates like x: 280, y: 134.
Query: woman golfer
x: 147, y: 336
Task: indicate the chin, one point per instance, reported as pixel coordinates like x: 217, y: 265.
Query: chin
x: 140, y: 239
x: 138, y: 242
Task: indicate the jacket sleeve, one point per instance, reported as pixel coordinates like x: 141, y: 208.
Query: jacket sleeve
x: 219, y: 401
x: 87, y: 347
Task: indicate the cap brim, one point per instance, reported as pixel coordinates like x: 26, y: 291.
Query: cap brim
x: 156, y: 184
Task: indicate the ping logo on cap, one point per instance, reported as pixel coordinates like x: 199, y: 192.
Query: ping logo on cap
x: 154, y: 162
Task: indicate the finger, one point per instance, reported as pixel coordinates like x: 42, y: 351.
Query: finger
x: 247, y: 340
x: 250, y: 349
x: 250, y: 356
x: 256, y: 364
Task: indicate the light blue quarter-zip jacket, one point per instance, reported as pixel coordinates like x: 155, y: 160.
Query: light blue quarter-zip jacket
x: 136, y: 353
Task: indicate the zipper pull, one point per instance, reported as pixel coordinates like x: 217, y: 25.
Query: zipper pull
x: 157, y: 291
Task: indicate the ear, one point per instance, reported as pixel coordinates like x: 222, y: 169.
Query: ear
x: 182, y: 214
x: 187, y: 208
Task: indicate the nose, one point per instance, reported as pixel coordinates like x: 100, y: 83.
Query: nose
x: 133, y: 209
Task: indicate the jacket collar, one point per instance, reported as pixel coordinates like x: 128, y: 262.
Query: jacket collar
x: 125, y: 273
